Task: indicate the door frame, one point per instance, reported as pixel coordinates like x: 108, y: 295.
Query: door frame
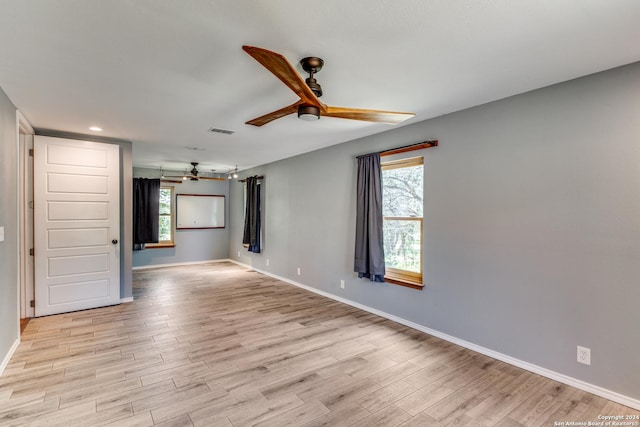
x: 25, y: 295
x: 126, y: 203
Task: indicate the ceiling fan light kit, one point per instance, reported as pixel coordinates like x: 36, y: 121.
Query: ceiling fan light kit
x: 309, y: 90
x: 308, y: 113
x: 232, y: 174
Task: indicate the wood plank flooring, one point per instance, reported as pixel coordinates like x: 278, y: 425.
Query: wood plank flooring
x: 220, y: 345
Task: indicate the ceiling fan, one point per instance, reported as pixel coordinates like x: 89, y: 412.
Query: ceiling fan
x: 309, y: 106
x: 194, y: 176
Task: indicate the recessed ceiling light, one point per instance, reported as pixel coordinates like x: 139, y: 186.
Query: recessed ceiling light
x: 95, y: 129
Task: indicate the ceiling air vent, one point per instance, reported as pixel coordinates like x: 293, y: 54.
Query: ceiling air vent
x: 224, y: 131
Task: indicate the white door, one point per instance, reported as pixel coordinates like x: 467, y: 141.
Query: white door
x: 77, y: 225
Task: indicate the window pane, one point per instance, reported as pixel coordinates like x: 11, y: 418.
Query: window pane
x: 164, y: 229
x: 402, y: 244
x: 402, y: 191
x: 165, y: 201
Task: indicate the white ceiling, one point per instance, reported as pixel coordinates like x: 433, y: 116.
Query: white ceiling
x: 161, y: 73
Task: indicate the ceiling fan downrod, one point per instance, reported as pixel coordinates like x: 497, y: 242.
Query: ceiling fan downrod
x: 312, y: 65
x: 194, y: 171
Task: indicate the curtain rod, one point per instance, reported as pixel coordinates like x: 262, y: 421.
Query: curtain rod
x: 256, y: 177
x: 161, y: 179
x: 412, y: 147
x: 405, y: 148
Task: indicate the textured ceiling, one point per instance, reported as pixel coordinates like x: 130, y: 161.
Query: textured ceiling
x: 161, y: 73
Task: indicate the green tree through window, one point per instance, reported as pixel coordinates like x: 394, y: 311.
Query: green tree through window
x: 165, y: 228
x: 402, y: 206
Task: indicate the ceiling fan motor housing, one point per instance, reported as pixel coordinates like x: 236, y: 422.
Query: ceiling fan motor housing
x: 312, y: 65
x: 314, y: 86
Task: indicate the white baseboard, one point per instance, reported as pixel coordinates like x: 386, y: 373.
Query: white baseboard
x: 127, y: 299
x: 177, y: 264
x: 12, y: 350
x: 556, y: 376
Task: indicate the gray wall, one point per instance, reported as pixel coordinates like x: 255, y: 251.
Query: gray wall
x: 191, y: 245
x: 9, y: 220
x: 532, y: 226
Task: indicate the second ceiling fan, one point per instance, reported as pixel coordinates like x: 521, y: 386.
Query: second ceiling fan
x: 194, y: 176
x: 309, y: 106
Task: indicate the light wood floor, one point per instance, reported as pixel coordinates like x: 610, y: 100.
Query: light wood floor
x: 218, y: 345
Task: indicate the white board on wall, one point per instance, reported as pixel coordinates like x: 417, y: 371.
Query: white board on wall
x: 195, y: 211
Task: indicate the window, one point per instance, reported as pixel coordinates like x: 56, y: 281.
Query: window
x: 402, y: 205
x: 165, y: 224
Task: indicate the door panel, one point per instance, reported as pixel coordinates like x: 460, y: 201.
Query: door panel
x: 76, y: 156
x: 76, y: 183
x: 79, y: 291
x: 78, y: 264
x: 78, y: 237
x: 77, y: 216
x: 66, y: 211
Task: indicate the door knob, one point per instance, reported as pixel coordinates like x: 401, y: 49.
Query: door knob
x: 114, y: 241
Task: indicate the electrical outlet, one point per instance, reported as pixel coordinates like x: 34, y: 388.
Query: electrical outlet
x: 342, y: 283
x: 584, y: 355
x: 267, y: 262
x: 238, y: 254
x: 298, y: 271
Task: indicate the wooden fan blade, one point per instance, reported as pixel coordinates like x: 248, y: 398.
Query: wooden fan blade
x: 377, y: 116
x: 282, y: 69
x: 263, y: 120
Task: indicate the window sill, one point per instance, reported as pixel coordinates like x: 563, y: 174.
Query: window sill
x: 404, y: 282
x: 159, y: 245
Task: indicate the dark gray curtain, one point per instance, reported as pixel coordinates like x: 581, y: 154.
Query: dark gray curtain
x: 251, y: 235
x: 369, y: 256
x: 146, y: 211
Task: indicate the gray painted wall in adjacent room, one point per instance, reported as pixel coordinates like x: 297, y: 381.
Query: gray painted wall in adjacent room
x: 532, y: 226
x: 9, y: 220
x: 191, y: 245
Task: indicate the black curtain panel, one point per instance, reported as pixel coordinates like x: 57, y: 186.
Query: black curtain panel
x: 251, y: 235
x: 146, y: 211
x: 369, y: 255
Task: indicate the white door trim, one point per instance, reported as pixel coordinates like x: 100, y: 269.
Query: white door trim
x: 22, y: 127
